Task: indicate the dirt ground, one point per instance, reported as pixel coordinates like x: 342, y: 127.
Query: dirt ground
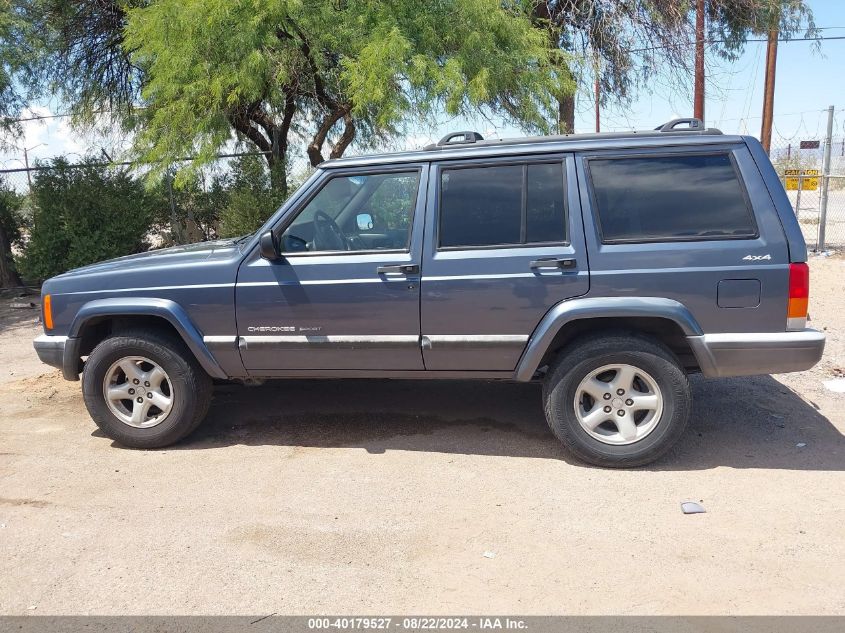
x: 389, y: 497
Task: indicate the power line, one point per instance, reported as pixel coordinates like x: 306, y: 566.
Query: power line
x: 40, y: 117
x: 708, y: 42
x: 634, y: 50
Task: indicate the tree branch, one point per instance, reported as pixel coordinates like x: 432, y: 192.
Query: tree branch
x: 287, y: 119
x: 242, y: 124
x: 315, y: 147
x: 346, y: 138
x: 320, y: 91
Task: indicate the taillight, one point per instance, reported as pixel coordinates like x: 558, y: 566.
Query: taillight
x: 47, y: 312
x: 799, y: 294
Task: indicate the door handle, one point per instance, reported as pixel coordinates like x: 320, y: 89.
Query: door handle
x: 564, y: 263
x: 400, y: 269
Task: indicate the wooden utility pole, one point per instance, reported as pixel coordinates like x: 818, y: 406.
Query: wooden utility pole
x: 698, y: 100
x: 26, y: 163
x: 597, y: 91
x: 769, y: 89
x: 598, y: 108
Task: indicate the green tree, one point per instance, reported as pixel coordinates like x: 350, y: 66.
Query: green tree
x: 77, y: 54
x: 250, y: 198
x: 84, y: 214
x: 11, y: 221
x: 16, y: 41
x: 330, y: 71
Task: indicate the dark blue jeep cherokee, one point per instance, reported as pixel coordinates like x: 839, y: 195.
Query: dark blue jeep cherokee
x: 607, y: 266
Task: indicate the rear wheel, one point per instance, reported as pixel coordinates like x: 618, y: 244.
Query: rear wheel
x: 145, y: 389
x: 617, y: 401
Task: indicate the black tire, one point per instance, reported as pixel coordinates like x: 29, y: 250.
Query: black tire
x: 191, y: 388
x: 578, y: 360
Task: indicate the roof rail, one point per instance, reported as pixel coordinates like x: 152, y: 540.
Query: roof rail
x: 456, y: 138
x: 693, y: 125
x: 679, y: 127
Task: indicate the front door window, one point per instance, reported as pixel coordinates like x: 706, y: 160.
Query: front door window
x: 356, y: 213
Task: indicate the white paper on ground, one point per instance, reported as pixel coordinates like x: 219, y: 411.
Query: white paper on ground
x: 837, y: 385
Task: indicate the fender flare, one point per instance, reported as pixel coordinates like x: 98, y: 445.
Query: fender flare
x: 591, y: 308
x: 166, y: 309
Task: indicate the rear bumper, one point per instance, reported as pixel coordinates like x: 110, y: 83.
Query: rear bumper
x: 61, y: 352
x: 747, y: 354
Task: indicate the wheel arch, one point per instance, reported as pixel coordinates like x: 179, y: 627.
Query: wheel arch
x: 101, y: 317
x: 665, y: 319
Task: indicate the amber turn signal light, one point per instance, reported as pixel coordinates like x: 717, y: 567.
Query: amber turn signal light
x: 47, y: 312
x: 799, y: 293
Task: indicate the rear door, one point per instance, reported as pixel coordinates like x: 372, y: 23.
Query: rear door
x: 504, y: 242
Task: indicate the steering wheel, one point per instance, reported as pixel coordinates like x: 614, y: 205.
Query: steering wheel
x: 327, y: 234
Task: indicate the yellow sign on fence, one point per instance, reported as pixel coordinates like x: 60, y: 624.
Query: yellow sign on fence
x: 808, y: 184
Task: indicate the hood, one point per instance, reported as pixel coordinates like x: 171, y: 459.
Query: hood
x: 172, y: 256
x: 202, y: 263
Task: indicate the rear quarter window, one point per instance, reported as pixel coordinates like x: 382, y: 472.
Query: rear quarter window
x: 669, y: 198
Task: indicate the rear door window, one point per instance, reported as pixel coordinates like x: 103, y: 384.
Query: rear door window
x: 668, y: 198
x: 502, y: 205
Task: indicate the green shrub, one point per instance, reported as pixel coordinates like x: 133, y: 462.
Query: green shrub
x: 84, y: 214
x: 250, y: 198
x: 11, y: 223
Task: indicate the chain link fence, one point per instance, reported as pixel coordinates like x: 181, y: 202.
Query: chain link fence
x: 800, y: 165
x: 190, y: 208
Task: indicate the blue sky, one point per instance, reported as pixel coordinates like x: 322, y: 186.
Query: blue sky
x: 808, y: 81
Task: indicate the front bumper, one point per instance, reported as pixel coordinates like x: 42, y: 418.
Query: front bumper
x: 747, y: 354
x: 61, y: 352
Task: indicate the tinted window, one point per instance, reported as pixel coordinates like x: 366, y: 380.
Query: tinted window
x: 670, y: 197
x: 545, y: 217
x: 485, y: 206
x: 480, y: 206
x: 356, y: 213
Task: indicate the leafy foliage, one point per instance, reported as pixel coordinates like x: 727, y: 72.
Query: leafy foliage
x: 16, y: 42
x: 78, y: 55
x: 11, y: 223
x: 250, y: 198
x: 188, y: 212
x: 84, y: 214
x: 333, y: 72
x: 12, y: 220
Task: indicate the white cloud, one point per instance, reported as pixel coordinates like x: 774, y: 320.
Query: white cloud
x: 43, y: 137
x: 48, y: 136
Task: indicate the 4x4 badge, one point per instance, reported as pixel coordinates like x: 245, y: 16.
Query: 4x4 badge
x: 756, y: 258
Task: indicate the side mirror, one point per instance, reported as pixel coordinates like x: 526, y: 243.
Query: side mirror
x: 365, y: 221
x: 268, y: 247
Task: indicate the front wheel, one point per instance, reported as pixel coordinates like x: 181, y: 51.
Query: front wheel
x: 617, y: 401
x: 145, y: 389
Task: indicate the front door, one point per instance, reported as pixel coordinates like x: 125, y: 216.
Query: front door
x: 345, y: 295
x: 505, y: 243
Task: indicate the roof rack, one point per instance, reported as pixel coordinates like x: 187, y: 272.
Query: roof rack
x: 682, y: 126
x: 693, y: 125
x: 456, y: 138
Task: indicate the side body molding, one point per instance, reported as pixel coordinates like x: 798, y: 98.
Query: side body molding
x: 146, y: 306
x: 590, y: 308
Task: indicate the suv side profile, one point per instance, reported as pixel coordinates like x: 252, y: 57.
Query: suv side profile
x: 607, y: 266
